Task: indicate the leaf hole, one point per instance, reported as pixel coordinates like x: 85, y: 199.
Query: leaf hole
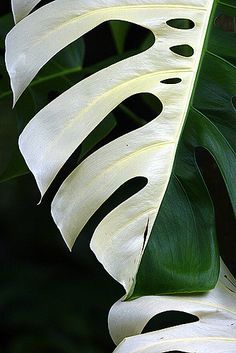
x: 115, y: 40
x: 140, y: 109
x: 226, y: 23
x: 138, y: 38
x: 171, y: 81
x: 181, y: 23
x: 169, y: 319
x: 133, y: 113
x: 183, y: 50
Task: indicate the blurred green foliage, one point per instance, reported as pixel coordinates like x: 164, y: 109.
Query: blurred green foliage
x: 51, y: 300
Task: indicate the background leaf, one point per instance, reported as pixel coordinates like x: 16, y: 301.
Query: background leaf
x: 184, y: 233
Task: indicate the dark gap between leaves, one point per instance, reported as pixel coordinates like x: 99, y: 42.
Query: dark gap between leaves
x: 145, y: 234
x: 130, y: 115
x: 181, y: 23
x: 5, y: 7
x: 123, y: 193
x: 169, y: 319
x: 67, y: 168
x: 52, y: 95
x: 100, y: 52
x: 225, y: 221
x: 2, y: 52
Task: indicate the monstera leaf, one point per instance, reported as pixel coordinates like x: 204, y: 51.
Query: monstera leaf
x: 185, y: 69
x: 212, y: 327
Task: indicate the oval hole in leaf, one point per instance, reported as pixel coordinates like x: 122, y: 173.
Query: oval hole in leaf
x: 226, y: 23
x: 169, y: 319
x: 225, y: 221
x: 181, y: 23
x: 171, y: 81
x: 183, y: 50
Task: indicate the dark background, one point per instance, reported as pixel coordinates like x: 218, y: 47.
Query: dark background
x: 52, y: 300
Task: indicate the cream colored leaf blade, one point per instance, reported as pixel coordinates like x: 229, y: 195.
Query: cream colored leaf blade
x: 22, y: 8
x: 214, y: 332
x: 54, y: 26
x: 56, y: 131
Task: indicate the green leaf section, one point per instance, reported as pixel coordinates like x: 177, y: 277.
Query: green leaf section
x: 182, y: 254
x: 119, y: 32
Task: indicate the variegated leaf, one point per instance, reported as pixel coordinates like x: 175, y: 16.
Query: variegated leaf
x: 56, y: 131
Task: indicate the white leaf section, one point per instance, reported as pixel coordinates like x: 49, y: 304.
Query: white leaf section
x: 22, y: 8
x: 56, y: 131
x: 214, y: 332
x: 34, y: 41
